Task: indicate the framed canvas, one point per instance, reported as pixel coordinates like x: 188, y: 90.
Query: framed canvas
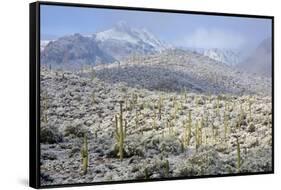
x: 126, y: 94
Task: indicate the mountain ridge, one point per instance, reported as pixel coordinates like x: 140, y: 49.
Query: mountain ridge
x: 74, y: 50
x: 105, y: 47
x: 259, y: 62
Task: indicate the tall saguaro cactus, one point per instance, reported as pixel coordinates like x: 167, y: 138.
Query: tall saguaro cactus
x: 120, y: 131
x: 197, y: 143
x: 154, y: 120
x: 241, y: 116
x: 238, y: 155
x: 85, y: 155
x: 200, y: 135
x: 225, y: 124
x: 137, y: 119
x: 217, y: 107
x: 167, y: 168
x: 160, y: 102
x: 189, y: 128
x: 93, y: 97
x: 250, y: 109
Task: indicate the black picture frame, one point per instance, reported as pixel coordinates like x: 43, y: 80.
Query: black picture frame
x: 34, y: 89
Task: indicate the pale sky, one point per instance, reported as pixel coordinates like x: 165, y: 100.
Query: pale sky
x: 187, y: 30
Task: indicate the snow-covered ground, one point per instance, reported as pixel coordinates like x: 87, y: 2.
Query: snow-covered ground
x: 171, y: 131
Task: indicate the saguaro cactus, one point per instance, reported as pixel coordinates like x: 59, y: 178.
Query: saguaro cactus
x: 154, y: 121
x: 182, y: 142
x: 167, y: 168
x: 85, y: 155
x: 93, y: 97
x: 134, y: 99
x: 200, y: 131
x: 160, y: 102
x: 189, y: 128
x: 169, y: 126
x: 227, y: 107
x: 241, y: 116
x: 174, y: 101
x: 176, y: 109
x: 217, y: 107
x: 197, y: 135
x: 250, y: 109
x: 137, y: 119
x: 146, y: 175
x: 120, y: 131
x: 196, y: 102
x: 184, y: 94
x: 238, y: 155
x: 225, y: 124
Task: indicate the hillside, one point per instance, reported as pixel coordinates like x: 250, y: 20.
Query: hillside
x: 178, y: 70
x: 167, y: 134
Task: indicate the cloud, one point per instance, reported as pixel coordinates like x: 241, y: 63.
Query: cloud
x: 213, y: 38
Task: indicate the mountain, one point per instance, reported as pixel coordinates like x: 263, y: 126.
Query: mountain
x: 74, y: 50
x: 227, y: 56
x: 179, y: 70
x: 259, y: 62
x: 107, y: 46
x: 123, y: 40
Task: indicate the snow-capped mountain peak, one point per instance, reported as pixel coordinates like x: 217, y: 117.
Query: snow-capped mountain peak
x: 149, y: 38
x: 119, y: 32
x: 137, y: 40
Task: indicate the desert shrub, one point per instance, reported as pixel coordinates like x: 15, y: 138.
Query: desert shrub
x: 170, y: 145
x: 77, y: 130
x: 49, y: 156
x: 50, y: 135
x: 206, y: 162
x: 258, y: 160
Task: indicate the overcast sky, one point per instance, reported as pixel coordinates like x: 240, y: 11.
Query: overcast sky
x: 196, y: 31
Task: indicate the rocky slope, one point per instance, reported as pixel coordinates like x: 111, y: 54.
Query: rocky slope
x: 178, y: 70
x: 169, y: 133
